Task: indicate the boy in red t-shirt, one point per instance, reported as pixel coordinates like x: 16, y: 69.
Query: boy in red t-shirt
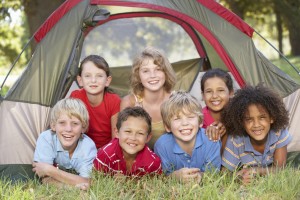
x: 128, y: 154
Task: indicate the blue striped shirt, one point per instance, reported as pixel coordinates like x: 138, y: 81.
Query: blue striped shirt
x: 239, y: 150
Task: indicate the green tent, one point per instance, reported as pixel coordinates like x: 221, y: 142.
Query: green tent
x: 217, y: 38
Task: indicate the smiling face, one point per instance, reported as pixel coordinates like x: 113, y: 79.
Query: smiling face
x: 68, y: 130
x: 216, y: 94
x: 152, y: 76
x: 133, y: 135
x: 257, y: 123
x: 184, y: 127
x: 93, y: 79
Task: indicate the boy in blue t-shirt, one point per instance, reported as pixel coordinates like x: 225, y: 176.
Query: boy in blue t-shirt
x: 185, y: 151
x: 64, y: 148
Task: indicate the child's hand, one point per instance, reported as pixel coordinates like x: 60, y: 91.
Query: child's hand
x: 215, y: 131
x: 42, y: 169
x: 187, y: 175
x: 247, y: 175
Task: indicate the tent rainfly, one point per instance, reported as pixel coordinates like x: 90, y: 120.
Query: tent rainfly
x: 221, y: 39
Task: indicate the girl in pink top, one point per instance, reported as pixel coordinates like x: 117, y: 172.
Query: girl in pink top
x: 216, y: 88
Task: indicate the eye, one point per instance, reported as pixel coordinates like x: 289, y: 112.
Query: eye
x: 75, y: 123
x: 144, y: 70
x: 141, y: 133
x: 61, y: 122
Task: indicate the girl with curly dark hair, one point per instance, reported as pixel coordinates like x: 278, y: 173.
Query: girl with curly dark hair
x: 255, y: 120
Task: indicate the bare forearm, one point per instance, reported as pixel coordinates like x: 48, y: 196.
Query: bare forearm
x: 65, y: 177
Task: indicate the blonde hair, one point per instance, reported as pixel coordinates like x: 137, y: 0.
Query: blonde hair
x: 180, y: 102
x: 159, y: 59
x: 73, y: 108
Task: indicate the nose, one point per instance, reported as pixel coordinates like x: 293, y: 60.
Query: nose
x: 214, y: 93
x: 256, y: 123
x: 153, y: 73
x: 93, y: 79
x: 184, y: 121
x: 132, y: 136
x: 68, y: 127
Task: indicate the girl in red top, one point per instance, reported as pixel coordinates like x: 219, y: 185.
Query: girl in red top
x: 102, y: 104
x: 216, y: 88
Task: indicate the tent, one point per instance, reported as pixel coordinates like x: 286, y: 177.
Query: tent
x: 220, y: 39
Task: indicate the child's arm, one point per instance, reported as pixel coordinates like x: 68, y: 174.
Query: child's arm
x: 127, y: 101
x: 187, y: 175
x: 44, y: 170
x: 113, y: 121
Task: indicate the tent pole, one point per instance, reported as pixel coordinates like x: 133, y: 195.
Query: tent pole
x: 14, y: 63
x: 285, y: 58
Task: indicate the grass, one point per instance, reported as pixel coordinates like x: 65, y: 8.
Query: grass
x: 283, y: 185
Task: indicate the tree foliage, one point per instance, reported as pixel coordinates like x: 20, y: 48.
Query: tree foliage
x: 287, y: 14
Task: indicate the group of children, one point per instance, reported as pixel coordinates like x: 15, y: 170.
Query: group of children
x: 158, y: 130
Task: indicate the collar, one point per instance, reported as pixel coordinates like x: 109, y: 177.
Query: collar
x: 271, y: 139
x: 59, y: 148
x: 199, y: 142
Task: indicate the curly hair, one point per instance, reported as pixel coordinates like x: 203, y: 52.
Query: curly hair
x: 160, y: 60
x: 234, y: 112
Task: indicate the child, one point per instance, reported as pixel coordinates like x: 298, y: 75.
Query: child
x: 255, y: 120
x: 216, y: 88
x: 128, y: 154
x: 65, y: 146
x: 152, y: 82
x: 103, y: 105
x: 185, y: 151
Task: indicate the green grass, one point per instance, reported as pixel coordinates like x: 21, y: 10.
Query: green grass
x: 283, y: 185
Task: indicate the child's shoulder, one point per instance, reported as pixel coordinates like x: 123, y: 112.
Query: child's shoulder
x: 111, y: 95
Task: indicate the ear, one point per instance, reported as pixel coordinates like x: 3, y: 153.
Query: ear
x: 231, y: 93
x: 108, y: 81
x: 149, y: 136
x: 79, y: 80
x: 272, y: 121
x: 52, y: 126
x: 167, y: 128
x: 116, y: 132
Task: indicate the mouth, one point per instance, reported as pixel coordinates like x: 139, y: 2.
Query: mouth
x: 186, y: 132
x: 131, y: 144
x: 67, y: 137
x: 93, y: 86
x: 257, y: 132
x: 215, y: 103
x: 153, y: 82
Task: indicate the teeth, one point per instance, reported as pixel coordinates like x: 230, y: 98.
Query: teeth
x: 186, y: 131
x: 132, y: 145
x: 215, y: 103
x: 153, y: 82
x: 257, y: 132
